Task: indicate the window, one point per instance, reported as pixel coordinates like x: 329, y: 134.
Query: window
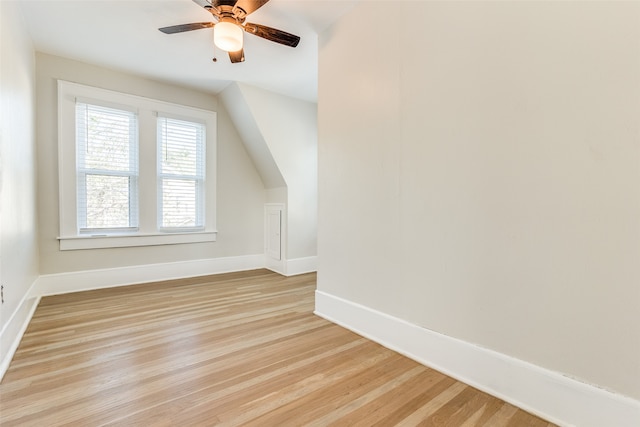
x: 180, y: 174
x: 107, y: 168
x: 133, y: 171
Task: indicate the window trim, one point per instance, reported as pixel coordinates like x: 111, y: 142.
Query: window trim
x: 100, y: 241
x: 148, y: 110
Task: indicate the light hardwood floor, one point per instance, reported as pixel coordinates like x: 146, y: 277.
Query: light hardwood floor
x: 232, y: 349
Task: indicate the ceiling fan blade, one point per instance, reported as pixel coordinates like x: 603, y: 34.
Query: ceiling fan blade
x: 186, y: 27
x: 203, y: 3
x: 250, y: 6
x: 272, y: 34
x: 236, y: 56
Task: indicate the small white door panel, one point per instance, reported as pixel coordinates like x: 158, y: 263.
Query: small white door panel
x: 274, y: 233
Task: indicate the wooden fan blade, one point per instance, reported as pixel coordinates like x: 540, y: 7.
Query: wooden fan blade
x: 237, y: 56
x: 272, y: 34
x: 250, y: 6
x: 186, y: 27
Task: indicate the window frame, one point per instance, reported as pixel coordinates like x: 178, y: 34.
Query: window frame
x: 148, y: 110
x: 83, y: 172
x: 199, y: 178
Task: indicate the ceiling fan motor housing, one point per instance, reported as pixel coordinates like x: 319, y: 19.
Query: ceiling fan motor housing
x: 226, y: 12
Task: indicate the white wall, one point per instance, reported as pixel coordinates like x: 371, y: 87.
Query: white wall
x: 18, y: 239
x: 277, y: 195
x: 289, y: 128
x: 280, y: 134
x: 479, y: 176
x: 240, y: 192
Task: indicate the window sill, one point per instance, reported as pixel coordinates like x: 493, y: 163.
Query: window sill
x: 124, y: 241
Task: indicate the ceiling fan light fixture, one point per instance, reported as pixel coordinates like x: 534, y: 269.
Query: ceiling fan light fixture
x: 227, y: 36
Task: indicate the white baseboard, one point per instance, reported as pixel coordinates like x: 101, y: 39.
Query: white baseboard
x: 550, y: 395
x: 54, y: 284
x: 277, y: 266
x: 15, y: 328
x: 293, y: 267
x: 301, y: 265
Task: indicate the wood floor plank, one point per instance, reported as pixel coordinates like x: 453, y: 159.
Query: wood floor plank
x: 458, y: 409
x: 403, y: 405
x: 432, y: 405
x: 237, y: 349
x: 326, y: 399
x: 375, y: 412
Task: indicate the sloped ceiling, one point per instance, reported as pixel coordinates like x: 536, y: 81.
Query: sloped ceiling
x: 252, y: 137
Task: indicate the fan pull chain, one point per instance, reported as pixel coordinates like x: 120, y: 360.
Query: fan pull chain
x: 214, y: 51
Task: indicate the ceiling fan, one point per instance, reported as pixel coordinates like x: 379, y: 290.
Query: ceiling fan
x: 230, y: 16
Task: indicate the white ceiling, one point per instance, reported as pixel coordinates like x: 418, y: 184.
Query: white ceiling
x: 123, y: 35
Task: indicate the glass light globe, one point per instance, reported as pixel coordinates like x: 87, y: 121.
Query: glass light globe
x: 227, y: 36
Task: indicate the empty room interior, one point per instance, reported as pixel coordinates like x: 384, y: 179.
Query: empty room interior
x: 320, y: 212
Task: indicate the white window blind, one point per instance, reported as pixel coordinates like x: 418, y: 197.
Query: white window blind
x: 106, y: 168
x: 181, y: 174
